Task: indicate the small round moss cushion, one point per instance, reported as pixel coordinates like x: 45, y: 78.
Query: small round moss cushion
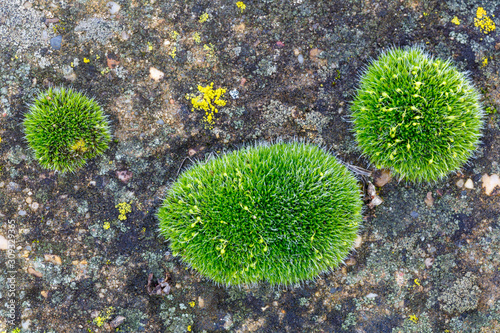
x: 281, y: 213
x: 65, y: 128
x: 416, y: 115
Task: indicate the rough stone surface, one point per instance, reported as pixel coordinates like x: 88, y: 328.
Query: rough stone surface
x: 295, y: 67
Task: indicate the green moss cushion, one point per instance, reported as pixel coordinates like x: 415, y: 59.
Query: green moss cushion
x: 281, y: 213
x: 65, y: 128
x: 416, y: 115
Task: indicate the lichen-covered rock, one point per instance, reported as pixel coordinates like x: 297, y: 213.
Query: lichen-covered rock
x: 462, y: 296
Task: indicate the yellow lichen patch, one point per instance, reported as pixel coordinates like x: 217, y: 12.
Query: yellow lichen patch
x: 455, y: 21
x: 484, y: 62
x: 79, y: 146
x: 197, y: 38
x: 203, y: 18
x: 414, y: 318
x: 483, y: 22
x: 241, y: 6
x: 85, y: 60
x: 174, y: 34
x: 104, y: 316
x: 210, y: 48
x: 123, y: 208
x: 106, y: 225
x: 173, y: 52
x: 208, y: 102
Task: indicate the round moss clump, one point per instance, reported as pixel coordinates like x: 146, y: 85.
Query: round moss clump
x: 281, y: 213
x: 416, y: 115
x: 65, y: 128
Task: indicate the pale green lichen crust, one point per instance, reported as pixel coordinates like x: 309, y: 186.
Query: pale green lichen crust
x: 281, y: 213
x: 416, y: 115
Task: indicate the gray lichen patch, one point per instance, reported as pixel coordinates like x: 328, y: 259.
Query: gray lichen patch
x: 96, y: 29
x: 21, y: 25
x: 462, y: 296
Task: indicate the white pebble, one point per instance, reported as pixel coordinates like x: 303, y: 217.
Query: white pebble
x: 490, y: 182
x: 460, y: 183
x: 113, y: 7
x: 469, y: 184
x: 4, y: 243
x: 124, y: 35
x: 155, y: 74
x: 300, y: 58
x: 371, y: 295
x: 34, y: 206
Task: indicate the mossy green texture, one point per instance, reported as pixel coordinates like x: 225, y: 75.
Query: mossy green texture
x: 416, y: 115
x: 65, y: 128
x: 281, y: 213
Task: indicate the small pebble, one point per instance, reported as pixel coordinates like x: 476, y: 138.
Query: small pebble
x: 428, y: 262
x: 429, y: 200
x: 156, y: 74
x: 358, y: 242
x: 234, y: 94
x: 56, y: 42
x: 201, y: 302
x: 29, y: 200
x: 300, y: 58
x: 350, y: 262
x: 4, y: 243
x: 414, y: 215
x: 32, y: 271
x: 25, y: 325
x: 124, y: 35
x: 113, y: 7
x: 469, y: 184
x: 381, y: 177
x: 55, y: 259
x: 490, y: 182
x: 160, y: 122
x: 22, y: 213
x: 371, y: 295
x: 117, y: 321
x: 460, y: 183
